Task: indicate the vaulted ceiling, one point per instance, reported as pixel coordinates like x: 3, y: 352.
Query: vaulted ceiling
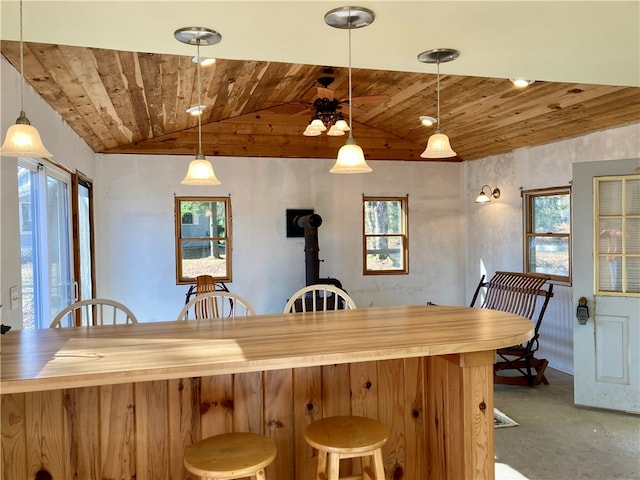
x: 128, y: 99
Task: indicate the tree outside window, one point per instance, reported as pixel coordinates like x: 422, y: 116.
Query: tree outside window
x: 203, y: 238
x: 547, y: 242
x: 385, y: 232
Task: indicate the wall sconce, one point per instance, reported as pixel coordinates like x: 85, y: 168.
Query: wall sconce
x: 484, y: 197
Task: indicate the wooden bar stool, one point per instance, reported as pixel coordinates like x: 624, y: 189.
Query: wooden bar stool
x: 230, y: 456
x: 341, y: 437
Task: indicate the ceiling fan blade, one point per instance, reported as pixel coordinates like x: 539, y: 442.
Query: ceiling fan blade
x: 368, y: 99
x: 306, y: 111
x: 356, y: 110
x: 325, y: 93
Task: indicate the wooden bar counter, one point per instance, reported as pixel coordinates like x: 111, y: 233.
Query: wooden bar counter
x: 123, y: 402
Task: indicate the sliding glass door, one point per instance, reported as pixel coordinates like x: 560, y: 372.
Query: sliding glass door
x: 45, y: 242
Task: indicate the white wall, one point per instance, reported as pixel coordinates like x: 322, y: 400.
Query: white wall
x: 134, y: 201
x: 66, y: 147
x: 494, y: 230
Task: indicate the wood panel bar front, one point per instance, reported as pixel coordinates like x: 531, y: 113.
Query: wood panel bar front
x: 438, y: 407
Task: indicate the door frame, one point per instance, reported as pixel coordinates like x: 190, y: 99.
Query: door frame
x: 78, y: 178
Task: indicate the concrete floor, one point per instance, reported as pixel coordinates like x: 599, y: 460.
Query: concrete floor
x: 558, y: 441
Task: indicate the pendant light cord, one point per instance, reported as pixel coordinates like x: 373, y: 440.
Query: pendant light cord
x: 350, y: 102
x: 199, y: 99
x: 21, y: 63
x: 438, y: 90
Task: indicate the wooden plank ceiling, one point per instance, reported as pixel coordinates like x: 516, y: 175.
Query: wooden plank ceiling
x: 129, y: 102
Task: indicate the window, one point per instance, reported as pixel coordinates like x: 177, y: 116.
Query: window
x: 203, y: 238
x: 618, y: 241
x: 385, y: 232
x: 547, y: 227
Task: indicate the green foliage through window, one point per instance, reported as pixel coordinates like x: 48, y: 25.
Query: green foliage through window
x: 547, y: 244
x: 385, y: 235
x: 203, y: 240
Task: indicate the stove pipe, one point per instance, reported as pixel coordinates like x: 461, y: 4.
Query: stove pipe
x: 310, y: 223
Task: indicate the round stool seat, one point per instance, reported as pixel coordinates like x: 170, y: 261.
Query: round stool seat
x: 342, y: 437
x: 351, y: 434
x: 230, y: 455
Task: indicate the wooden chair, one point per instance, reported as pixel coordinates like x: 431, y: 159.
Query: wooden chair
x: 217, y: 304
x: 95, y: 311
x: 205, y: 284
x: 341, y: 437
x: 319, y: 297
x: 231, y: 456
x: 522, y: 294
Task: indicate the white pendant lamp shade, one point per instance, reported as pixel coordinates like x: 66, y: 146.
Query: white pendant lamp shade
x: 438, y: 147
x: 23, y: 140
x: 350, y: 159
x: 200, y: 172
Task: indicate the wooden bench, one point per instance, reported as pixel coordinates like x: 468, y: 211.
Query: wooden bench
x: 522, y: 294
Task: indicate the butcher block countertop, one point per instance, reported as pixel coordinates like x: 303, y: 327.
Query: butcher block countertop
x: 60, y: 358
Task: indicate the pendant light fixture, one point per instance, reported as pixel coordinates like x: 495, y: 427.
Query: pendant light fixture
x: 438, y: 145
x: 23, y: 140
x: 200, y: 170
x: 350, y: 156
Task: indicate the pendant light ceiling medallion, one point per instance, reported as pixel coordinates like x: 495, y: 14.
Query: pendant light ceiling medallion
x: 350, y: 156
x: 438, y: 145
x: 200, y: 170
x: 23, y: 139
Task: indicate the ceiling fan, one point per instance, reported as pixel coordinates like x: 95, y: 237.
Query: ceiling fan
x: 327, y: 108
x: 325, y: 92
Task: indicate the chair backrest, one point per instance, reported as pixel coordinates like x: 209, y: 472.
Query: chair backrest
x: 94, y: 311
x: 319, y: 297
x: 217, y: 304
x: 204, y: 284
x: 517, y: 293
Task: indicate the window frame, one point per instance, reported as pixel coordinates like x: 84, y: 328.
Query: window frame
x: 624, y: 254
x: 528, y: 199
x: 181, y: 279
x: 404, y: 234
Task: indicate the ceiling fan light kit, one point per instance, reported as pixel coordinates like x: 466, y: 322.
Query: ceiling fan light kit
x: 438, y: 145
x: 350, y: 156
x: 200, y: 171
x: 23, y: 139
x: 327, y: 116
